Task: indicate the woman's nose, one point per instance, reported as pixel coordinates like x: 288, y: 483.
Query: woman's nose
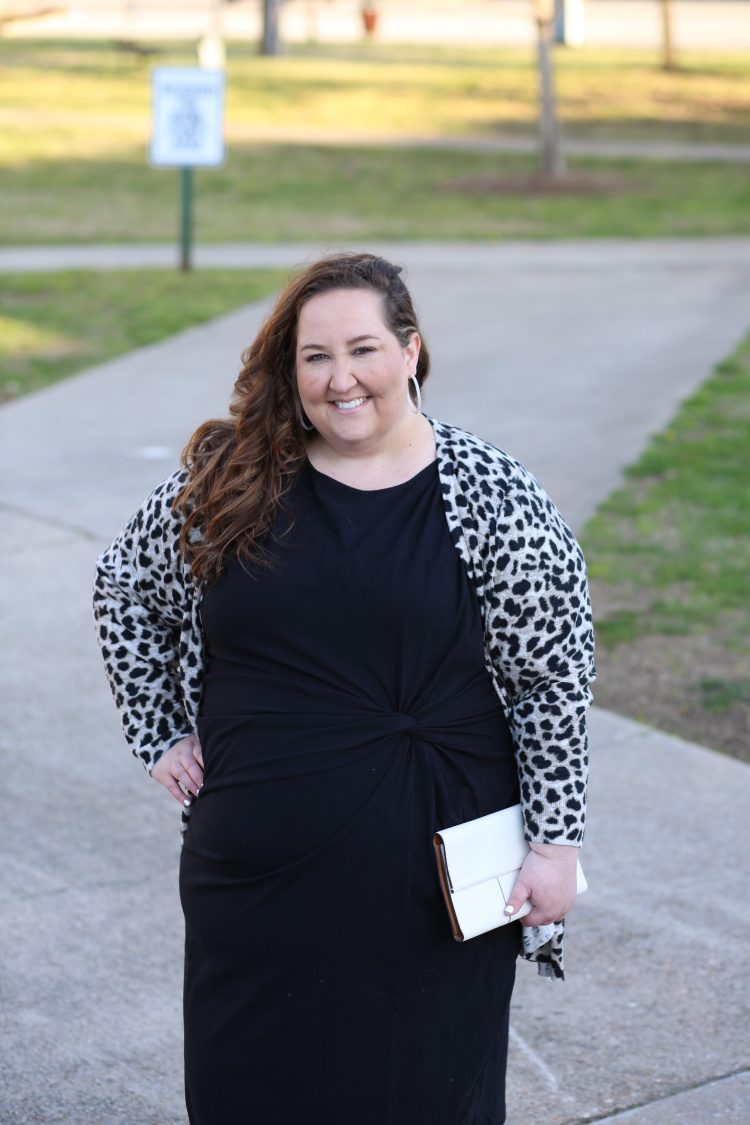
x: 342, y: 378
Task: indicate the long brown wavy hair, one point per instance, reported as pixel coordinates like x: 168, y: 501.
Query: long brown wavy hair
x: 241, y: 467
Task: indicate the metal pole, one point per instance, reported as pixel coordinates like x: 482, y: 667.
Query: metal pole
x: 560, y: 21
x: 186, y: 218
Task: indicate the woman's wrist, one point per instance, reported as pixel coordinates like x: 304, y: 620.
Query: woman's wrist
x: 562, y: 853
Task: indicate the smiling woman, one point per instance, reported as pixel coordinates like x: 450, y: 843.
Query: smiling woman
x: 344, y: 329
x: 343, y: 627
x: 352, y: 390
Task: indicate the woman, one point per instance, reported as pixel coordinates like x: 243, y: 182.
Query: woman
x: 340, y: 628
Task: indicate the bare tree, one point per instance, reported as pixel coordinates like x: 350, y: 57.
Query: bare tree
x: 668, y: 59
x: 552, y: 162
x: 270, y: 44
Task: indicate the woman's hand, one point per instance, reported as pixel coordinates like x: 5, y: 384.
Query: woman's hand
x: 548, y: 879
x: 182, y: 763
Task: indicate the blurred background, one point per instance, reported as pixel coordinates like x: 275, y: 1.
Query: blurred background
x: 568, y: 184
x: 420, y: 129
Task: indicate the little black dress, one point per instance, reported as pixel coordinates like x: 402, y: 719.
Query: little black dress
x: 347, y: 716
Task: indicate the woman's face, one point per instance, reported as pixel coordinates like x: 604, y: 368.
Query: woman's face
x: 352, y: 372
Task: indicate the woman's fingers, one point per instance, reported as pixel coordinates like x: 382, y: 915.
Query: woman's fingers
x: 187, y: 781
x: 520, y: 893
x: 548, y: 880
x: 191, y: 775
x: 170, y: 783
x: 181, y: 765
x: 188, y: 772
x: 539, y: 917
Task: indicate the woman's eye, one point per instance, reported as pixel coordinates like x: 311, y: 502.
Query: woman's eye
x: 315, y: 358
x: 362, y: 350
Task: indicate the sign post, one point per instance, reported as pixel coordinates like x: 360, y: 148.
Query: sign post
x: 186, y: 218
x: 187, y: 132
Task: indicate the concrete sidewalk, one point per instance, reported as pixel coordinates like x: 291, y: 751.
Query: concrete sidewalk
x: 607, y: 255
x: 568, y: 356
x: 610, y: 335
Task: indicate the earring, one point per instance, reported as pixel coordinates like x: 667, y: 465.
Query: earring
x: 305, y: 425
x: 418, y: 408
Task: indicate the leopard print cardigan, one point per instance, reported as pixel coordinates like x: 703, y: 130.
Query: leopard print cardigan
x: 530, y: 581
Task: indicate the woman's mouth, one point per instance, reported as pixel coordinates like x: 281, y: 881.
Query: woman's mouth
x: 351, y: 404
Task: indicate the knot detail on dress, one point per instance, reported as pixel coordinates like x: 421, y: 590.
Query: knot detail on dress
x: 410, y: 726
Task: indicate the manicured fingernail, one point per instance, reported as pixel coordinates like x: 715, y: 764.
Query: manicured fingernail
x: 510, y: 909
x: 186, y: 802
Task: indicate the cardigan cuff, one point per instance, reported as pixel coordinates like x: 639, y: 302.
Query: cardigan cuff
x: 150, y: 753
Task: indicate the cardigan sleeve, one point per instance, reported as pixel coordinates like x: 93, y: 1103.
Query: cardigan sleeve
x: 140, y: 594
x: 541, y: 647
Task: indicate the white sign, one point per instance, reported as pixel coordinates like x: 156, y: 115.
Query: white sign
x: 187, y: 117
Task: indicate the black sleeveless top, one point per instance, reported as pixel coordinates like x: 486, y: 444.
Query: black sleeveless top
x: 347, y: 715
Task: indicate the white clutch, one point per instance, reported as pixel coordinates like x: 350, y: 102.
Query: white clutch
x: 478, y: 863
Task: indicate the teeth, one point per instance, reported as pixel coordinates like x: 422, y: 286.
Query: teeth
x: 350, y: 405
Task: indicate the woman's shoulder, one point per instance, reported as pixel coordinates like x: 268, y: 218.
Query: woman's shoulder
x: 464, y: 452
x: 160, y: 504
x: 157, y: 521
x: 489, y: 478
x: 170, y: 488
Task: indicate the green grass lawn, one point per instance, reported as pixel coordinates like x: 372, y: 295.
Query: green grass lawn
x: 297, y: 192
x: 55, y: 324
x: 75, y: 124
x: 669, y: 562
x: 382, y: 88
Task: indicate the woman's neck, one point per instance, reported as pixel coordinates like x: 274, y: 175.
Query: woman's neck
x: 380, y: 467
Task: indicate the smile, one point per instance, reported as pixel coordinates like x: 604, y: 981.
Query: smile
x: 352, y: 404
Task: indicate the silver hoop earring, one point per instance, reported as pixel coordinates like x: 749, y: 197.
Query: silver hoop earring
x: 418, y: 408
x: 305, y: 425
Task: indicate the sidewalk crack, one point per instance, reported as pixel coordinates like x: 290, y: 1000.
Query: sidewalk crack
x: 50, y: 521
x: 611, y: 1114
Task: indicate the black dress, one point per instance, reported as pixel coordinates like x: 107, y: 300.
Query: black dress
x: 347, y: 715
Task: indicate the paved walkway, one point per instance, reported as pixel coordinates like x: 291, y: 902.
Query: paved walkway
x: 631, y: 328
x: 608, y: 254
x: 566, y: 354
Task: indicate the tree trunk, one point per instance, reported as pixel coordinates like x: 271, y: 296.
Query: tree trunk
x: 270, y: 44
x: 668, y: 60
x: 550, y: 148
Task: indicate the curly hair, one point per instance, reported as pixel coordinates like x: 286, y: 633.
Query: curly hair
x: 240, y: 468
